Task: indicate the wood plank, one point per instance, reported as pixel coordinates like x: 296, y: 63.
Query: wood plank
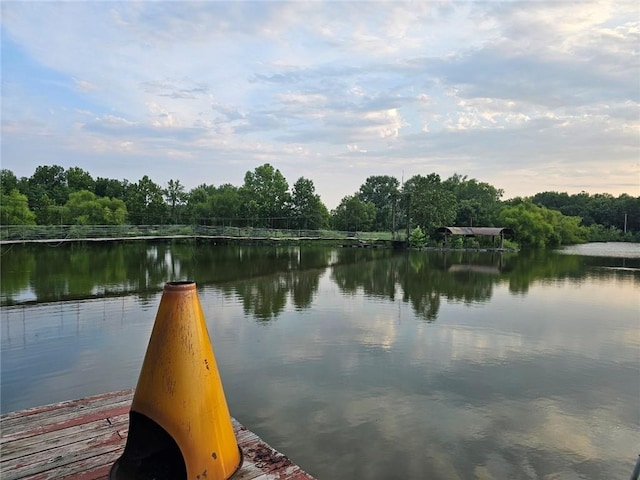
x: 60, y: 423
x: 17, y: 447
x: 50, y: 413
x: 41, y: 461
x: 94, y: 400
x: 81, y: 439
x: 92, y: 468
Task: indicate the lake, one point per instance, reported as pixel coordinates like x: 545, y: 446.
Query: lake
x: 358, y: 363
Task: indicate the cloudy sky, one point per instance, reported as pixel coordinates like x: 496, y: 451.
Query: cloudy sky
x: 528, y: 96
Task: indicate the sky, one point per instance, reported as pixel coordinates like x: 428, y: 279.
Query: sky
x: 528, y: 96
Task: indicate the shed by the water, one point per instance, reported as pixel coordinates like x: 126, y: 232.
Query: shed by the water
x: 494, y: 232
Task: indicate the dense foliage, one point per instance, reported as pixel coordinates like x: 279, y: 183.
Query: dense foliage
x: 537, y: 226
x: 54, y: 196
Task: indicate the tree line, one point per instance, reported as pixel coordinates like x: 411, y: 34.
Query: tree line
x: 53, y: 195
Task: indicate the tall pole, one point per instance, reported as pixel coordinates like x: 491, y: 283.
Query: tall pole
x: 625, y: 223
x: 393, y: 216
x: 408, y: 215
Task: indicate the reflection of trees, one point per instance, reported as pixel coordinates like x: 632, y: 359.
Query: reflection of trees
x: 207, y: 264
x: 66, y: 271
x: 304, y: 284
x: 264, y: 298
x: 425, y: 278
x: 16, y: 263
x: 216, y: 264
x: 371, y: 271
x: 263, y: 277
x: 147, y: 270
x: 532, y: 265
x: 295, y: 271
x: 266, y: 277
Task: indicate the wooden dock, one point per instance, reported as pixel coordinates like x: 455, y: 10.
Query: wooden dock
x: 81, y: 439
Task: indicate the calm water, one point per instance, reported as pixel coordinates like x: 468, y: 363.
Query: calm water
x: 360, y: 364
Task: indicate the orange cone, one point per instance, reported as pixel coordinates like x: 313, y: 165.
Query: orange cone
x: 180, y: 425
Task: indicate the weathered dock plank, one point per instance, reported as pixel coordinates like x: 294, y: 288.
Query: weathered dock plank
x: 56, y: 421
x: 81, y: 439
x: 35, y: 414
x: 54, y: 438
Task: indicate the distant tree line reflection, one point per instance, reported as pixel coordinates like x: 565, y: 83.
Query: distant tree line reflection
x: 266, y: 278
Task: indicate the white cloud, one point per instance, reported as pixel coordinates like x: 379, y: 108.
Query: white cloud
x: 353, y: 148
x: 85, y: 86
x: 495, y: 88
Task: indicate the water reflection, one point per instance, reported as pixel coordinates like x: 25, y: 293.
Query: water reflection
x: 360, y: 363
x: 266, y: 277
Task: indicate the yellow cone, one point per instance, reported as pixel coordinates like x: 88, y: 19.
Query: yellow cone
x: 179, y: 422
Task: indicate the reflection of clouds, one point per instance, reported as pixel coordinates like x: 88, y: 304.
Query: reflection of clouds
x: 506, y: 440
x: 481, y: 346
x: 307, y: 348
x: 630, y: 337
x: 388, y: 417
x: 365, y: 403
x: 599, y: 435
x: 603, y: 292
x: 445, y: 346
x: 556, y: 431
x: 551, y: 319
x: 378, y: 331
x: 513, y: 383
x: 69, y: 350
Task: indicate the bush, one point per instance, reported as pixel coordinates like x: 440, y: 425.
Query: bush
x: 417, y: 238
x: 600, y: 233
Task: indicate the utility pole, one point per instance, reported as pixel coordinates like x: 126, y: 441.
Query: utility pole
x: 393, y: 216
x: 625, y: 223
x: 408, y: 215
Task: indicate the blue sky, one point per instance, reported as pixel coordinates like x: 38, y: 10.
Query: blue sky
x: 528, y: 96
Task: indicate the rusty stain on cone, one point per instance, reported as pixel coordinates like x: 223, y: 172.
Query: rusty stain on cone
x: 180, y: 426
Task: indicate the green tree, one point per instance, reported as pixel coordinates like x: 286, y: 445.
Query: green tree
x: 47, y: 192
x: 175, y: 197
x: 14, y: 209
x: 109, y: 187
x: 114, y: 210
x: 599, y: 209
x: 207, y: 204
x: 46, y: 211
x: 79, y: 179
x: 49, y: 180
x: 477, y: 202
x: 225, y: 204
x: 537, y: 226
x: 198, y: 208
x: 600, y: 233
x: 306, y: 206
x: 85, y: 208
x: 431, y: 205
x: 8, y: 181
x: 145, y: 203
x: 417, y: 238
x: 352, y: 214
x: 383, y: 192
x: 602, y: 209
x: 265, y: 197
x: 556, y: 201
x: 528, y: 223
x: 627, y: 213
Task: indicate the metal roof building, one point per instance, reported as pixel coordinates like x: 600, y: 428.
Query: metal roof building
x: 477, y: 231
x: 501, y: 232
